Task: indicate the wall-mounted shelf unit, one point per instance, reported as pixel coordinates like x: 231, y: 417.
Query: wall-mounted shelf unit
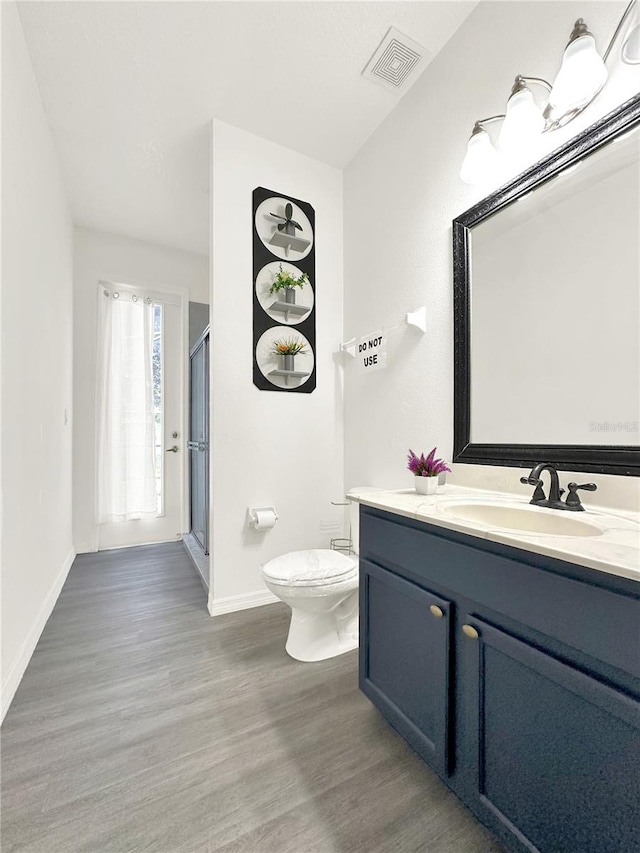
x: 289, y: 241
x: 289, y: 374
x: 288, y: 308
x: 283, y: 326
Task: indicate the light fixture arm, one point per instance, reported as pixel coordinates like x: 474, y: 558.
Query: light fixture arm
x: 580, y: 29
x: 479, y: 125
x: 521, y: 82
x: 619, y: 28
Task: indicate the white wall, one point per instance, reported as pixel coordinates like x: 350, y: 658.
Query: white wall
x: 270, y: 447
x: 98, y: 256
x: 36, y: 363
x: 402, y: 191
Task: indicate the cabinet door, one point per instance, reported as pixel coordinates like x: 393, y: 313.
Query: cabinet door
x: 404, y: 660
x: 558, y: 751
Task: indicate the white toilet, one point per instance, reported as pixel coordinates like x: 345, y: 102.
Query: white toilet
x: 321, y: 588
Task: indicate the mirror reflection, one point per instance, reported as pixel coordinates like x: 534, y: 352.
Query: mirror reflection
x: 555, y: 308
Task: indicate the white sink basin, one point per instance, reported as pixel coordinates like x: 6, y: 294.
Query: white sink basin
x: 524, y: 518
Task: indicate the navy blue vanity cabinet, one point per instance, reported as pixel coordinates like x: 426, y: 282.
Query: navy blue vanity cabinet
x: 405, y: 659
x: 558, y: 751
x: 528, y: 702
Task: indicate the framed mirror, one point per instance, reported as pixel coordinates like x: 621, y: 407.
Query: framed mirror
x: 547, y: 310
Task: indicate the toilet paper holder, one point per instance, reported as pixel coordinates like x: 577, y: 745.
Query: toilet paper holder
x: 253, y: 511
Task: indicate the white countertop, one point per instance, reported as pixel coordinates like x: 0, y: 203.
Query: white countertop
x: 615, y: 551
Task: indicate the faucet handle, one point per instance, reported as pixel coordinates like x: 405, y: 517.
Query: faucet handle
x: 573, y: 499
x: 538, y: 494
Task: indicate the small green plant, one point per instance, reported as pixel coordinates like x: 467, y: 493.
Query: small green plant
x: 289, y: 346
x: 284, y: 280
x: 288, y: 225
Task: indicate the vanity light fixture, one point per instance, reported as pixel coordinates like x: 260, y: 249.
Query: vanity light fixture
x: 582, y: 75
x: 523, y: 122
x: 481, y: 159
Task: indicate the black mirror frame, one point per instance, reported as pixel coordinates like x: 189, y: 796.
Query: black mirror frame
x: 604, y: 459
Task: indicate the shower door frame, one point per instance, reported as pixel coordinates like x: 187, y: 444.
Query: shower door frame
x: 203, y: 340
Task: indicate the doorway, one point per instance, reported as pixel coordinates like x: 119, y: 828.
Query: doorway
x: 165, y: 522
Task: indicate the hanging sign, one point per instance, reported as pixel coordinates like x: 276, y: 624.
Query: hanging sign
x: 372, y: 352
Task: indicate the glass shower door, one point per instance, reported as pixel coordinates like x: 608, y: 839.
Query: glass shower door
x: 199, y: 440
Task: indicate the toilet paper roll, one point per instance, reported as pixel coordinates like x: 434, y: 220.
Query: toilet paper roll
x: 265, y: 519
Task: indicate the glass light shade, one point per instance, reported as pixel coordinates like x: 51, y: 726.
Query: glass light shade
x: 481, y: 159
x: 631, y: 47
x: 581, y: 76
x: 523, y: 123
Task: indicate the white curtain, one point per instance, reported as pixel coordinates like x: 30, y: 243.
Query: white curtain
x: 126, y: 442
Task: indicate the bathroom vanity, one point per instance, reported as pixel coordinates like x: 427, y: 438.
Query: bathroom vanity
x: 512, y: 673
x: 501, y: 640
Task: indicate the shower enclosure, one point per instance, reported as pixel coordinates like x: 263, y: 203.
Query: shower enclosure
x: 198, y: 444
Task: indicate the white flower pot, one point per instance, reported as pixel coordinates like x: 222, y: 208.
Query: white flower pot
x: 426, y: 485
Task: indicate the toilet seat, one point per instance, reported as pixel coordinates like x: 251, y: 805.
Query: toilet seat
x: 310, y: 568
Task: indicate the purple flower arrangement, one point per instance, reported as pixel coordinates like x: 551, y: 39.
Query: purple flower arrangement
x: 426, y: 466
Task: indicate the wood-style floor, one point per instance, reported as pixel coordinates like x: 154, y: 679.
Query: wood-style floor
x: 142, y: 724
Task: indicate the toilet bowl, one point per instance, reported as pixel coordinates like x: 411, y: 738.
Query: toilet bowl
x: 321, y: 588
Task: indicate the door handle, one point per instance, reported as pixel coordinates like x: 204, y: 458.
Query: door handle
x: 173, y: 449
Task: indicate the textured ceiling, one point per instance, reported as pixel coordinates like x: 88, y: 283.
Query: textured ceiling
x: 130, y: 87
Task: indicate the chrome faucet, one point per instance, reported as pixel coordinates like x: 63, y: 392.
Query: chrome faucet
x: 554, y: 501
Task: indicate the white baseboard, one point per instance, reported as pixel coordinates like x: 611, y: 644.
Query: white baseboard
x: 11, y: 683
x: 139, y: 544
x: 217, y: 606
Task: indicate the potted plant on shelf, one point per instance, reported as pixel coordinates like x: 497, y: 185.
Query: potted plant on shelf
x: 426, y: 470
x: 287, y: 225
x: 287, y: 282
x: 289, y: 348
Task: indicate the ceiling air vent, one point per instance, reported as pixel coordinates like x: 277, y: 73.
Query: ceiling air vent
x: 397, y: 62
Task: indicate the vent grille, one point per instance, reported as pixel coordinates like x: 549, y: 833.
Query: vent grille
x: 397, y: 62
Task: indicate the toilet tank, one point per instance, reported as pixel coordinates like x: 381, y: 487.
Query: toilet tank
x: 354, y: 514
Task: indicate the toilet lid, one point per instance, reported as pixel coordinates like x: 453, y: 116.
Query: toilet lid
x: 310, y: 567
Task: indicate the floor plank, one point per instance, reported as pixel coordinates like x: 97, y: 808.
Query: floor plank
x: 142, y: 724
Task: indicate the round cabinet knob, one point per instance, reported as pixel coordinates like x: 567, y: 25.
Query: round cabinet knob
x: 470, y: 631
x: 436, y: 611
